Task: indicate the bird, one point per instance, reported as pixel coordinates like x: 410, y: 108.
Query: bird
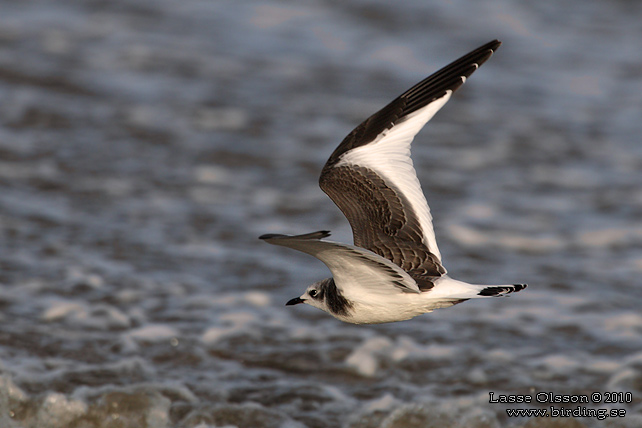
x: 394, y: 271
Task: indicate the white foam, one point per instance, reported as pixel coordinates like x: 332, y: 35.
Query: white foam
x: 382, y: 404
x: 61, y: 309
x: 258, y: 299
x: 467, y: 236
x: 57, y: 411
x: 210, y: 174
x: 602, y: 366
x: 625, y: 321
x: 215, y: 334
x: 365, y: 358
x: 227, y: 119
x: 561, y: 363
x: 606, y: 237
x: 235, y: 323
x: 478, y: 376
x: 625, y: 380
x: 479, y: 211
x: 500, y: 356
x: 530, y: 243
x: 10, y: 392
x: 99, y: 316
x: 239, y: 319
x: 406, y: 348
x: 154, y: 333
x: 77, y: 275
x: 231, y: 300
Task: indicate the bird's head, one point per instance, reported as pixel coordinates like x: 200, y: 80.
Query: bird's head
x: 314, y: 296
x: 326, y: 296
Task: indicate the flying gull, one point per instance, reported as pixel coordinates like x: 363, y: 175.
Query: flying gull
x: 393, y: 272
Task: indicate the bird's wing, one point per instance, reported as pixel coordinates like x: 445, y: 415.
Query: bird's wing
x: 371, y: 178
x: 353, y: 267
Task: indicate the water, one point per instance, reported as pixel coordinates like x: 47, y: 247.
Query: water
x: 145, y: 145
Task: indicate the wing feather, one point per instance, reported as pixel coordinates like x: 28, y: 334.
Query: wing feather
x: 352, y: 267
x: 371, y: 178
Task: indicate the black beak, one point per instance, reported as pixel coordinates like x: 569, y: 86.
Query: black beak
x: 294, y: 301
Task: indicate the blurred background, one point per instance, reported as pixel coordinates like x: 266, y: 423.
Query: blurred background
x: 146, y: 144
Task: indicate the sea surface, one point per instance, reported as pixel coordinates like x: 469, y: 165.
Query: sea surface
x: 146, y: 144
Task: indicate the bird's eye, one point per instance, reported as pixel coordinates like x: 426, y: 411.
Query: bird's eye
x: 312, y: 293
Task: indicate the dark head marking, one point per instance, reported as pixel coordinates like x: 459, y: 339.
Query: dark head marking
x: 337, y: 304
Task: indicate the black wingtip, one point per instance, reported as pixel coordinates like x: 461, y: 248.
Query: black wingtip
x: 450, y: 77
x: 313, y: 235
x: 271, y: 235
x: 494, y: 44
x: 519, y: 287
x: 501, y: 291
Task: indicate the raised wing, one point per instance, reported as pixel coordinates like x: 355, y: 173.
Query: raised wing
x: 371, y: 178
x: 353, y: 268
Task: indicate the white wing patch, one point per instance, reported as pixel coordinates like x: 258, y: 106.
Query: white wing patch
x: 355, y: 270
x: 389, y: 156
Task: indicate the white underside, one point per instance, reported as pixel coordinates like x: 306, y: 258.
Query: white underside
x: 356, y: 270
x: 389, y: 156
x: 397, y: 306
x: 379, y: 290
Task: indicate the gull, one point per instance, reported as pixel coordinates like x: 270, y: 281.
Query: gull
x: 393, y: 272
